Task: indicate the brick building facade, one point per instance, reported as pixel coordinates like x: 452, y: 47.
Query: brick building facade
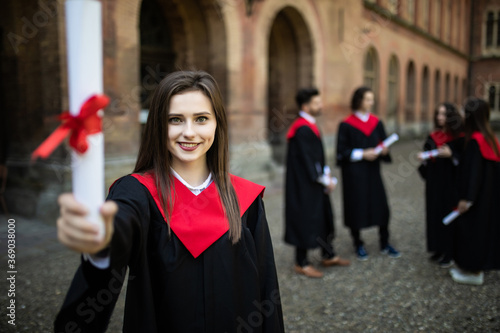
x: 414, y: 54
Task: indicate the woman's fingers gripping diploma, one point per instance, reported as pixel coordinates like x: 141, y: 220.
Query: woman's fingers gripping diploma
x: 79, y: 234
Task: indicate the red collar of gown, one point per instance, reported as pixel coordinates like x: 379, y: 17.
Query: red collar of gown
x: 440, y: 137
x: 486, y: 150
x: 199, y: 220
x: 299, y: 122
x: 366, y: 127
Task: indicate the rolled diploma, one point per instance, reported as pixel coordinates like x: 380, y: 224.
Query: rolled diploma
x: 451, y: 217
x: 425, y: 155
x: 387, y: 143
x: 84, y: 48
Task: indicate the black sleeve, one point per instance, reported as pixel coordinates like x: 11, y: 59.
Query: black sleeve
x: 268, y: 278
x: 471, y: 167
x: 457, y: 148
x: 93, y: 293
x: 344, y: 146
x: 387, y: 158
x: 422, y: 169
x: 428, y: 145
x: 303, y: 140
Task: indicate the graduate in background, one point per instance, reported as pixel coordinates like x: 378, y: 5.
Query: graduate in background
x: 477, y: 246
x: 194, y: 237
x: 440, y: 174
x: 365, y: 200
x: 308, y: 211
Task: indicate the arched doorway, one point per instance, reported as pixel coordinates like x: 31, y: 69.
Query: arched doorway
x: 290, y: 68
x: 157, y: 53
x: 179, y: 35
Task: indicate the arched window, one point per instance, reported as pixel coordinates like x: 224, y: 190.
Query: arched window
x: 493, y: 96
x: 437, y: 18
x: 410, y: 93
x: 491, y: 31
x: 371, y: 73
x: 157, y: 56
x: 424, y: 101
x: 393, y: 6
x: 392, y: 91
x: 425, y: 14
x: 448, y: 21
x: 410, y: 10
x: 437, y: 88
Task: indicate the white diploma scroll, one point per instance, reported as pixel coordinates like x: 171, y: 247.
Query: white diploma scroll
x: 453, y: 215
x: 425, y: 155
x: 386, y: 143
x: 84, y: 48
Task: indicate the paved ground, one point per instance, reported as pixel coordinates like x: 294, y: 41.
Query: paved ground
x: 408, y: 294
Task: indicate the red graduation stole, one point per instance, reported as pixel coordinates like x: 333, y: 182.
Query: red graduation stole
x: 199, y: 220
x: 299, y: 122
x: 486, y: 150
x: 367, y: 128
x: 440, y: 137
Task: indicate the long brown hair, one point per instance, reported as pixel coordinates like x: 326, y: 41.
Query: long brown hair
x: 155, y: 158
x: 454, y: 123
x: 477, y: 116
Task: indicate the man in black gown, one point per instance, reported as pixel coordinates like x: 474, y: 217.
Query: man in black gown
x: 308, y: 213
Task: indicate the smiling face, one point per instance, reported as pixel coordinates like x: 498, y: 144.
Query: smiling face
x: 191, y: 129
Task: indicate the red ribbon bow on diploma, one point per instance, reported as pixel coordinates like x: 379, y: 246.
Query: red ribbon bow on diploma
x: 85, y: 123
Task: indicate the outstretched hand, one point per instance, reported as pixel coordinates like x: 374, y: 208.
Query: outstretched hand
x: 79, y: 234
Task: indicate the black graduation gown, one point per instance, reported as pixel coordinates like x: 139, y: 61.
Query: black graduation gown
x: 441, y: 194
x: 365, y: 200
x: 226, y: 288
x: 308, y: 211
x: 478, y: 230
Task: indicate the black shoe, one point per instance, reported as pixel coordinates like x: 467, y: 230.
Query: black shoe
x: 391, y: 252
x: 436, y: 257
x: 445, y: 262
x: 361, y: 253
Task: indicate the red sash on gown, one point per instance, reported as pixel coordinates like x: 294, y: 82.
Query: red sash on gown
x: 199, y: 220
x: 486, y: 150
x: 298, y: 123
x: 366, y: 127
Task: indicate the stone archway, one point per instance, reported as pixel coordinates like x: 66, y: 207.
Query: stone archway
x: 290, y: 68
x: 177, y: 35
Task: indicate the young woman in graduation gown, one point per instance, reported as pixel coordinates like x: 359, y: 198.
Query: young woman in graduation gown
x: 478, y: 227
x: 194, y: 238
x: 440, y: 174
x: 365, y: 200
